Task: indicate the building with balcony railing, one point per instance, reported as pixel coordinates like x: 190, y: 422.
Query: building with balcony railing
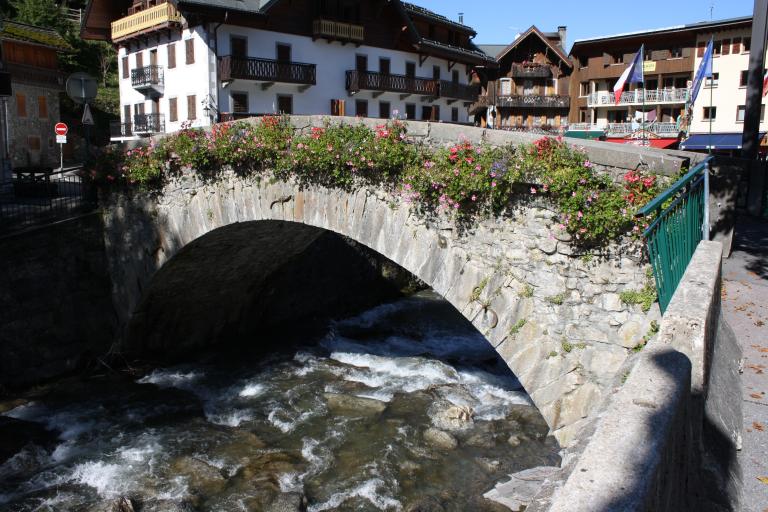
x: 529, y: 90
x: 30, y: 55
x: 345, y: 57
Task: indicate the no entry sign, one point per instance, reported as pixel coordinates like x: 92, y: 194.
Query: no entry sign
x: 61, y: 129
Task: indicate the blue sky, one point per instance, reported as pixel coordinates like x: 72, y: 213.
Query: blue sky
x: 498, y: 21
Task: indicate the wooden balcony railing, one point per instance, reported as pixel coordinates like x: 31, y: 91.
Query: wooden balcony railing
x: 534, y: 101
x: 372, y: 81
x: 338, y: 30
x: 458, y: 91
x: 158, y: 16
x: 33, y: 75
x: 638, y: 97
x: 267, y: 70
x: 530, y: 71
x: 147, y: 77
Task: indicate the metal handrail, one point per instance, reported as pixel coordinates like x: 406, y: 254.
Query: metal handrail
x: 679, y: 221
x: 147, y: 76
x: 253, y: 68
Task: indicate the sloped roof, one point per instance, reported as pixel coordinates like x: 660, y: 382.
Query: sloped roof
x: 21, y: 32
x: 547, y: 41
x: 492, y: 50
x: 422, y: 11
x: 251, y: 6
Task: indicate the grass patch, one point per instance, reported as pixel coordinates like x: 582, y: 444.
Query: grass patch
x: 557, y: 299
x: 567, y: 347
x: 516, y: 328
x: 477, y: 290
x: 526, y: 292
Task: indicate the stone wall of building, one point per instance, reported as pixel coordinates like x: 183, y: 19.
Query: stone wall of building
x: 32, y: 139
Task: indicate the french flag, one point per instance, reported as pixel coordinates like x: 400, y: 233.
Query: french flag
x: 765, y: 83
x: 632, y: 75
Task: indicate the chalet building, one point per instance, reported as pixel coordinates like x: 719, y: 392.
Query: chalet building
x: 31, y: 55
x: 529, y: 89
x: 722, y: 100
x: 659, y: 110
x: 198, y: 61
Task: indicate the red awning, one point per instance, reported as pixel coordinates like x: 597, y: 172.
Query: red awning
x: 654, y: 143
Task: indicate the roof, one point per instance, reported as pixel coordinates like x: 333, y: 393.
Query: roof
x: 492, y: 50
x: 252, y: 6
x: 535, y: 31
x: 700, y: 26
x: 15, y: 31
x: 422, y: 11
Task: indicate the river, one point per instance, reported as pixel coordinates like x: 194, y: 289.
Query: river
x: 405, y: 407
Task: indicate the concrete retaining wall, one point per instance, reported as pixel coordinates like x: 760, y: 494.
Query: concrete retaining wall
x: 666, y: 439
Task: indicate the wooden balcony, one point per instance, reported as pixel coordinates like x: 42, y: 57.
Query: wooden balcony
x: 530, y: 71
x: 33, y: 75
x: 145, y: 20
x: 534, y: 101
x: 266, y: 70
x: 457, y: 91
x: 384, y: 82
x: 147, y: 78
x: 338, y: 31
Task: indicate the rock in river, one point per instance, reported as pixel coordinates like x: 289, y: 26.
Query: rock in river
x: 355, y: 405
x: 440, y: 439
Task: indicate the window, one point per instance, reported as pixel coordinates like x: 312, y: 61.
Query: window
x: 716, y: 48
x: 283, y: 52
x: 338, y: 107
x: 455, y: 77
x: 285, y: 104
x: 676, y: 52
x: 726, y: 49
x: 384, y: 109
x: 410, y: 111
x: 747, y: 43
x: 361, y: 108
x: 191, y: 107
x: 583, y: 62
x: 744, y: 78
x: 240, y: 102
x: 436, y: 72
x: 505, y: 87
x: 435, y: 113
x: 740, y: 110
x: 584, y: 89
x: 384, y: 67
x: 42, y: 106
x: 410, y: 69
x: 618, y: 59
x: 21, y: 105
x: 125, y: 67
x: 139, y: 60
x: 238, y: 47
x: 171, y: 56
x: 736, y: 48
x: 361, y: 62
x: 455, y: 115
x: 189, y: 46
x: 583, y: 115
x: 426, y: 113
x: 712, y: 82
x: 701, y: 47
x: 710, y: 113
x: 173, y: 110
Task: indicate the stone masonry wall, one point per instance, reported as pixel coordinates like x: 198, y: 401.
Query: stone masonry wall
x: 33, y: 126
x: 553, y: 314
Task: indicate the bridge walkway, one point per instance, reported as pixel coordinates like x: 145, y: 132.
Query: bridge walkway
x: 745, y: 306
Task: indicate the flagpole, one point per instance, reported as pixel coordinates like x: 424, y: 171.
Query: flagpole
x: 642, y: 124
x: 711, y: 89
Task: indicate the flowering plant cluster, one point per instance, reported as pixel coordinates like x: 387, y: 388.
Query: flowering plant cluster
x: 465, y: 178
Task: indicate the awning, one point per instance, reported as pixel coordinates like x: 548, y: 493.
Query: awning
x: 585, y: 134
x: 654, y: 143
x: 714, y: 141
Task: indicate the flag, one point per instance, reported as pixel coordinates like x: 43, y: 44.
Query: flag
x: 765, y: 83
x: 632, y: 75
x: 705, y: 71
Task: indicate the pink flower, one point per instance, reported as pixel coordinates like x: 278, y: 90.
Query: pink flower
x: 533, y: 190
x: 474, y: 197
x: 429, y: 164
x: 587, y: 164
x: 580, y: 215
x: 493, y: 184
x: 455, y: 172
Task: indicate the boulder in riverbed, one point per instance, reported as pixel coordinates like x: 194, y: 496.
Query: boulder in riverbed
x: 440, y: 439
x: 354, y: 405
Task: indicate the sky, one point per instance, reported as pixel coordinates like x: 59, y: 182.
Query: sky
x: 498, y: 21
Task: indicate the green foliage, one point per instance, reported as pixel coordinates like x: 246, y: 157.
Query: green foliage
x: 526, y: 292
x: 516, y: 328
x: 40, y: 13
x: 477, y: 290
x: 466, y: 179
x: 653, y: 330
x: 552, y: 354
x: 567, y: 347
x: 645, y: 297
x: 556, y: 299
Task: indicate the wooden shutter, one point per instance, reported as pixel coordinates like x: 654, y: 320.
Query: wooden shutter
x: 726, y: 49
x: 126, y: 114
x: 335, y: 108
x: 42, y: 105
x: 700, y: 47
x: 736, y: 45
x: 21, y: 105
x: 173, y: 110
x: 171, y: 56
x: 189, y: 46
x: 435, y: 113
x: 139, y: 60
x: 192, y: 107
x: 125, y: 67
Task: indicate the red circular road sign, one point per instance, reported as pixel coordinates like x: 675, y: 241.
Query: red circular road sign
x: 61, y: 129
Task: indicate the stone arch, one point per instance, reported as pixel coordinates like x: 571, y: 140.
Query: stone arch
x: 502, y: 277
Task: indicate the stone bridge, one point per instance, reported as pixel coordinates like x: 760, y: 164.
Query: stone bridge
x: 554, y: 315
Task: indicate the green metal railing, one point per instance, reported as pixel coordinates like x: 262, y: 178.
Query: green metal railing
x: 679, y: 220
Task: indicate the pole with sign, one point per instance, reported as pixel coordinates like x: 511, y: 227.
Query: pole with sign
x: 61, y: 130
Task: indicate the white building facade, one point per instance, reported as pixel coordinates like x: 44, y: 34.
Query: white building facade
x: 181, y: 68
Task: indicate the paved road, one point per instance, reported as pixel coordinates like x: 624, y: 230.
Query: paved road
x: 745, y: 306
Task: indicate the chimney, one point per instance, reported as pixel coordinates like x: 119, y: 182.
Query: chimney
x: 461, y: 18
x: 561, y: 32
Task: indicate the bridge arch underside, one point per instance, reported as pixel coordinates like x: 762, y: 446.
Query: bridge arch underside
x: 501, y: 277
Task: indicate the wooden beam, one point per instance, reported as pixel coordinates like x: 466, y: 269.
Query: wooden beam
x: 267, y: 85
x: 451, y: 63
x: 422, y: 58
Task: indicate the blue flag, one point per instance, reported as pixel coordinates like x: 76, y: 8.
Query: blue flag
x: 705, y: 71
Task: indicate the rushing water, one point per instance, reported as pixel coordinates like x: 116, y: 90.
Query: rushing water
x: 405, y: 407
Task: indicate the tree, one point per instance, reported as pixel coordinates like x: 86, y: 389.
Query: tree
x: 41, y: 13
